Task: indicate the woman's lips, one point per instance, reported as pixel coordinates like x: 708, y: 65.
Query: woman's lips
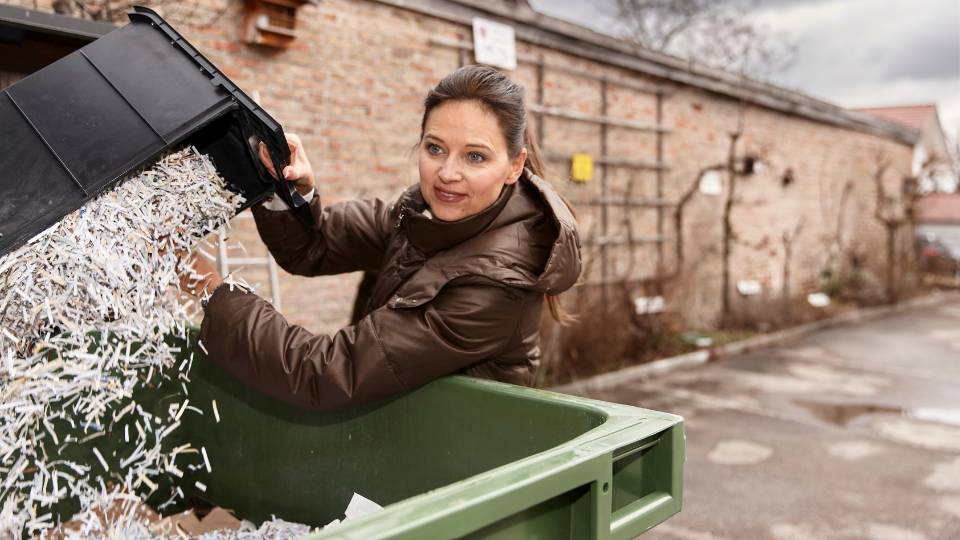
x: 448, y: 196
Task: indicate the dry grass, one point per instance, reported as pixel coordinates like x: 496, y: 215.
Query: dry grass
x: 608, y: 335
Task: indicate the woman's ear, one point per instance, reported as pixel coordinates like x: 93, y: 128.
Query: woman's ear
x: 516, y: 166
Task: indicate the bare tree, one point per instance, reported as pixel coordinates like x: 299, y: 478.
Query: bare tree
x: 657, y: 24
x: 716, y: 33
x: 895, y: 213
x: 789, y: 237
x: 678, y: 214
x: 728, y: 233
x: 953, y: 151
x: 885, y: 212
x: 720, y: 34
x: 735, y: 166
x: 837, y: 216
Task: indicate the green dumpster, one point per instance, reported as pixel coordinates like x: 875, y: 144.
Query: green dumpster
x: 457, y: 458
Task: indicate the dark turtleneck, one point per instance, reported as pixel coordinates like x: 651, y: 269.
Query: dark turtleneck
x: 431, y: 235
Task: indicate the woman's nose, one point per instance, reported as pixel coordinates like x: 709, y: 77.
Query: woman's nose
x: 450, y: 171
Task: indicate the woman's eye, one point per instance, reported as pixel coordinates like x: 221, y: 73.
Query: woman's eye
x: 476, y: 157
x: 434, y: 149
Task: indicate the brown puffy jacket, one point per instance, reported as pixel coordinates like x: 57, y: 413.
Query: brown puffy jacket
x: 450, y: 297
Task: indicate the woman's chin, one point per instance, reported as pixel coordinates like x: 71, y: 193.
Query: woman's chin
x: 445, y: 211
x: 447, y: 214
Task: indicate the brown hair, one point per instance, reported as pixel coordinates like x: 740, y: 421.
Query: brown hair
x: 504, y: 98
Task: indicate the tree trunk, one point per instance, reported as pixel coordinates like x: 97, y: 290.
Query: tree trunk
x: 891, y: 262
x: 728, y: 235
x: 785, y: 290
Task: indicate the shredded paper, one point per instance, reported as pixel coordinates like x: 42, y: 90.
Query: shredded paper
x: 85, y: 308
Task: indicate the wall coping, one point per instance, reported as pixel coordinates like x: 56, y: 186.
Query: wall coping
x: 53, y: 23
x: 550, y: 32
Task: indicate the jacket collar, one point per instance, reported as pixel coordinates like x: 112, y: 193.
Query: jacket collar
x: 431, y: 235
x: 531, y: 243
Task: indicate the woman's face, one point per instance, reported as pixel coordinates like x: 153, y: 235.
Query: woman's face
x: 464, y: 162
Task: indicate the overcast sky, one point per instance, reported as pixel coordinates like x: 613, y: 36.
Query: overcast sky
x: 855, y: 53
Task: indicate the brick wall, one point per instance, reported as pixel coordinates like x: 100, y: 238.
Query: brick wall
x: 352, y: 84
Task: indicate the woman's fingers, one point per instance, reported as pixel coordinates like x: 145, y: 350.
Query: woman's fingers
x: 290, y: 172
x: 294, y: 142
x: 298, y: 158
x: 302, y: 172
x: 298, y: 171
x: 295, y: 172
x: 267, y: 162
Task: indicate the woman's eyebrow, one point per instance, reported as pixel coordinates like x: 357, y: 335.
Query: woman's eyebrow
x: 474, y: 144
x: 480, y: 145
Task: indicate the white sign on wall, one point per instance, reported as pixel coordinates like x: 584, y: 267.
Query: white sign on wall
x: 649, y: 305
x: 818, y: 299
x: 711, y: 183
x: 749, y: 287
x: 494, y: 44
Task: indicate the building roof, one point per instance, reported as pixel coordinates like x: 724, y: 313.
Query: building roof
x: 910, y: 116
x: 938, y: 208
x: 554, y: 33
x: 923, y: 119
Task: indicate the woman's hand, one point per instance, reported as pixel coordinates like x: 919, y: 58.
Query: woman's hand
x: 298, y: 171
x: 201, y: 278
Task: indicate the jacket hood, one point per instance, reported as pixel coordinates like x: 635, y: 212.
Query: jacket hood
x: 563, y: 264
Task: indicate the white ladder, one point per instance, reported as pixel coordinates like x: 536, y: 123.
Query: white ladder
x: 225, y: 261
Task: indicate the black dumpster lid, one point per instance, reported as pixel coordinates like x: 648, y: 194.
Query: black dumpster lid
x: 90, y: 119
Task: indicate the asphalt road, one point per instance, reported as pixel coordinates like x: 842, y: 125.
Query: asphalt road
x: 852, y: 432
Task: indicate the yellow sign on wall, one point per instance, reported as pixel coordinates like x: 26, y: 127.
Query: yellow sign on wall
x: 581, y: 168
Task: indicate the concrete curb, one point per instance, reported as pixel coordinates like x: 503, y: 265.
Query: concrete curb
x: 663, y: 366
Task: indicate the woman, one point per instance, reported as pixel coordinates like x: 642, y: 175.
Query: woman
x: 465, y: 261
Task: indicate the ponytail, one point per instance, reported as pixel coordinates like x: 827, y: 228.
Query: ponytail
x: 535, y: 164
x: 534, y: 156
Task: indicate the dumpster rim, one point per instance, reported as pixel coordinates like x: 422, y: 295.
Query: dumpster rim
x: 624, y: 420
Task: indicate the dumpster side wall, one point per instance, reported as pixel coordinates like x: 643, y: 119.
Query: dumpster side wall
x: 352, y: 83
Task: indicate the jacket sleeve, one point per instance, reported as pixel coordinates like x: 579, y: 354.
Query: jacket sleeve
x: 388, y: 352
x: 347, y: 237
